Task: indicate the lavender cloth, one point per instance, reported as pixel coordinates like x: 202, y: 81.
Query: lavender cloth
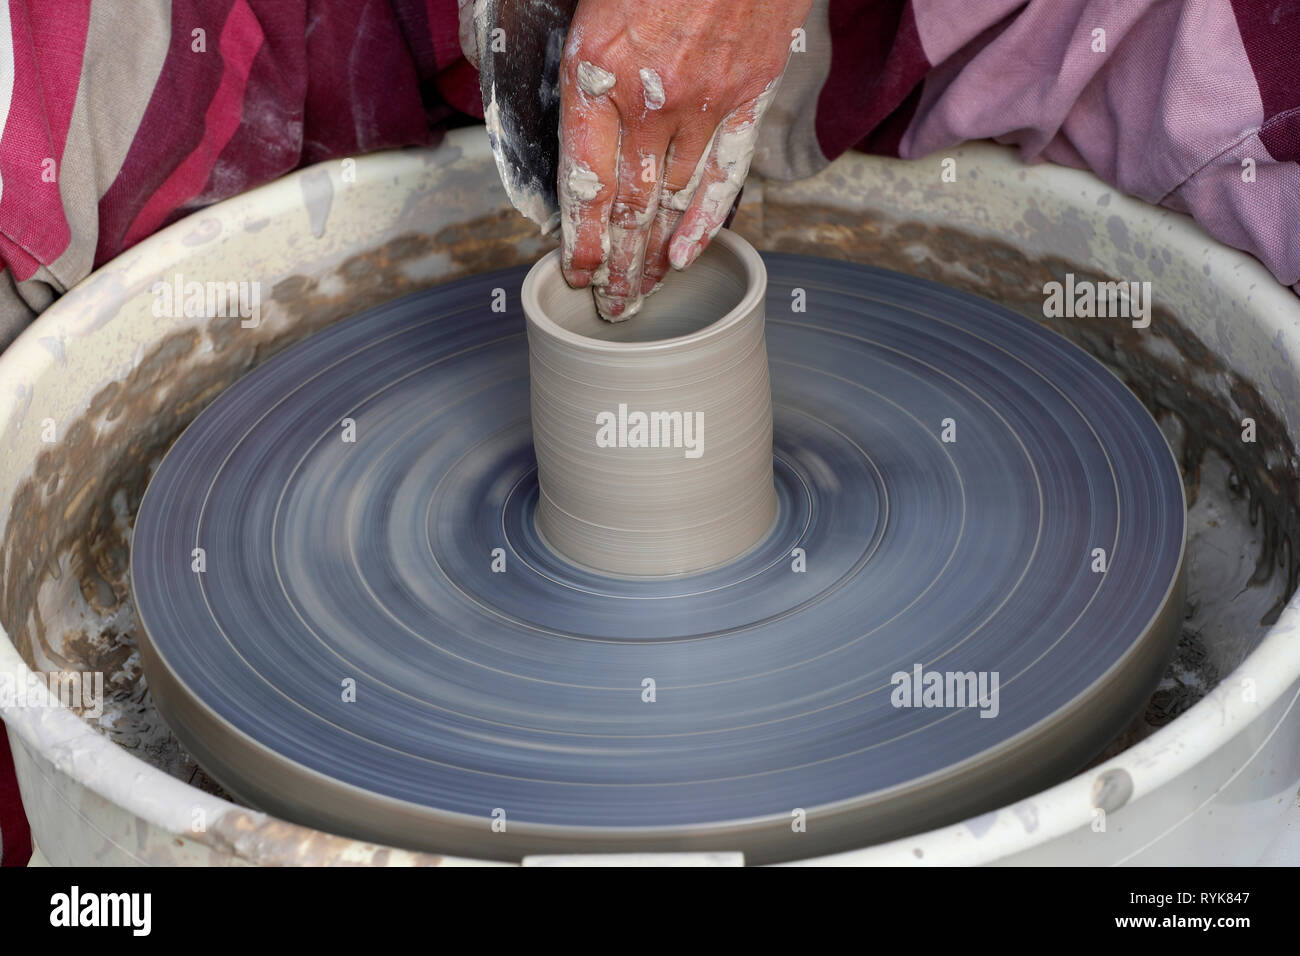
x: 1194, y: 105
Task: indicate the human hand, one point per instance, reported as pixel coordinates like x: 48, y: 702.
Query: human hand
x: 660, y: 105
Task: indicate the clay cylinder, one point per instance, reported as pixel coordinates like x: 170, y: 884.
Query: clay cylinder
x: 654, y: 435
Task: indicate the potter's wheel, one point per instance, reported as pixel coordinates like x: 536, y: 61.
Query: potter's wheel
x: 476, y: 692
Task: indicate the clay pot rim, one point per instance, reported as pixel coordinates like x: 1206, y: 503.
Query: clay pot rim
x: 547, y: 269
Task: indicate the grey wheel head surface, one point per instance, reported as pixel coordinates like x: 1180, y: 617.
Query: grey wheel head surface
x: 379, y: 643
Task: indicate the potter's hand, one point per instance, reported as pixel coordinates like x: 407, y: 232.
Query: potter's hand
x: 660, y: 107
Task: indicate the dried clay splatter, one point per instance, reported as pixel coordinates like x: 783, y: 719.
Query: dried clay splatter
x: 593, y: 80
x: 652, y: 87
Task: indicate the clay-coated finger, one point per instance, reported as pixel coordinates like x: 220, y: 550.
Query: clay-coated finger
x: 589, y: 146
x: 684, y: 165
x: 722, y: 177
x: 618, y: 292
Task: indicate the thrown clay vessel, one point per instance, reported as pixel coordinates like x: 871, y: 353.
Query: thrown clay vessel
x: 654, y: 436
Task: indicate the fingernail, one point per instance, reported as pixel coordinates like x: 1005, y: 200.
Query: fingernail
x: 579, y: 278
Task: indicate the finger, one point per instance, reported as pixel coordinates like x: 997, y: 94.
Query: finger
x: 589, y: 138
x: 722, y: 178
x: 684, y: 165
x: 640, y: 172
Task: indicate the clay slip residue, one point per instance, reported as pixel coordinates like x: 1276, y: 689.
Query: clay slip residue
x: 593, y: 80
x: 652, y: 87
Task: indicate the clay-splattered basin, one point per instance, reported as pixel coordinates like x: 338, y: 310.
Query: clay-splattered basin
x: 1205, y: 776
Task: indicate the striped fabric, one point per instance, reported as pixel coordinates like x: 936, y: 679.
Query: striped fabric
x: 120, y: 116
x: 117, y: 118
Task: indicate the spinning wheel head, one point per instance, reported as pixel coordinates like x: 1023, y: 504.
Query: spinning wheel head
x: 968, y: 581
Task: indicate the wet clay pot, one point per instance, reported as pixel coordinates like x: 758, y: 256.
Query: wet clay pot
x: 654, y: 436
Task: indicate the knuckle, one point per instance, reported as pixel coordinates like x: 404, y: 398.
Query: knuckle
x: 586, y: 259
x: 630, y: 212
x: 656, y: 268
x: 619, y: 286
x: 678, y: 177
